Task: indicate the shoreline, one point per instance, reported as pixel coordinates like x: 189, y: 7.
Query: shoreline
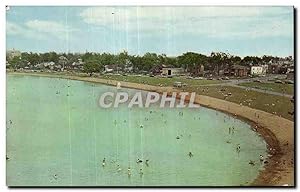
x: 278, y: 132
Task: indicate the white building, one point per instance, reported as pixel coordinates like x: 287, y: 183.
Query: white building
x: 259, y: 70
x: 172, y: 71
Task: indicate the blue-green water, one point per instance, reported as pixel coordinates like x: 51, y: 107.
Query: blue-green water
x: 57, y: 135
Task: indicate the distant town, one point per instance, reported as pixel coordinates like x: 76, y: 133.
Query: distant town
x: 217, y: 65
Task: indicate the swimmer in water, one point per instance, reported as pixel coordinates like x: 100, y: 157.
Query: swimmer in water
x: 103, y: 162
x: 55, y: 176
x: 141, y: 172
x: 238, y: 148
x: 147, y: 162
x: 128, y: 172
x: 191, y: 154
x: 251, y: 163
x: 139, y: 161
x: 119, y: 168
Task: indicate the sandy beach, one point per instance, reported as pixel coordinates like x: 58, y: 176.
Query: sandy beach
x: 278, y: 132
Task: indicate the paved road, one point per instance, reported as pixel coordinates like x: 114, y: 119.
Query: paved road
x: 235, y: 82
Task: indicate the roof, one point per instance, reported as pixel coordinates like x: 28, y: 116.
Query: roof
x: 173, y: 68
x: 239, y: 67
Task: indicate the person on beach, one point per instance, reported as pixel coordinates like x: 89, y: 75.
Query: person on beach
x: 103, y: 162
x: 261, y: 158
x: 118, y: 85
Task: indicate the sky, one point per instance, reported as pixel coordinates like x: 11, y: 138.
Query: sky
x: 172, y: 31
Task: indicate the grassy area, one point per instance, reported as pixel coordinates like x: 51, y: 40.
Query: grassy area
x: 276, y: 87
x: 270, y: 103
x: 159, y: 80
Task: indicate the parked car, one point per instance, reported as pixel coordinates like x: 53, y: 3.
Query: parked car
x: 289, y: 82
x: 177, y: 84
x: 278, y: 81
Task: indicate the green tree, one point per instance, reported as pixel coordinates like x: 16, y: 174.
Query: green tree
x: 192, y: 62
x: 149, y: 60
x: 92, y: 66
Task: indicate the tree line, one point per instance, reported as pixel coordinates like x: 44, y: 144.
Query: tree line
x: 149, y: 62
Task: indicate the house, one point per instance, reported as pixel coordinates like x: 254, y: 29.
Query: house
x: 259, y: 70
x: 197, y: 70
x: 109, y: 68
x: 156, y: 70
x: 169, y: 71
x: 289, y: 69
x: 239, y: 71
x: 128, y: 68
x: 77, y: 64
x: 290, y: 75
x: 274, y: 68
